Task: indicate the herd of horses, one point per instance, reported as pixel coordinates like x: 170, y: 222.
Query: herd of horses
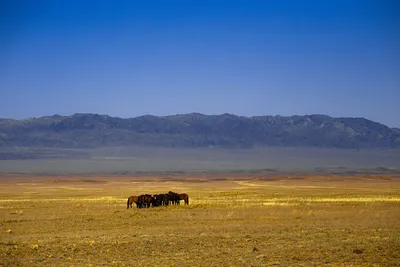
x: 147, y: 200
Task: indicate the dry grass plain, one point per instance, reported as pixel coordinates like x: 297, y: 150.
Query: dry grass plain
x: 232, y: 220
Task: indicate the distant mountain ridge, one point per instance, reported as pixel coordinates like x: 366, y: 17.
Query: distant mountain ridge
x: 396, y: 130
x: 197, y: 130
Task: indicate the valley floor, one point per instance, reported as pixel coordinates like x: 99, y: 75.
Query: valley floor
x: 232, y: 220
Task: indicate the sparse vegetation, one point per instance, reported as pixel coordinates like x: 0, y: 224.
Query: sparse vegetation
x: 242, y: 220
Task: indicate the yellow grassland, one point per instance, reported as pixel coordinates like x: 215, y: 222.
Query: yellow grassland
x: 230, y: 221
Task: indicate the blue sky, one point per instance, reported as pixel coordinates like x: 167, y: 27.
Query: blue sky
x: 129, y: 58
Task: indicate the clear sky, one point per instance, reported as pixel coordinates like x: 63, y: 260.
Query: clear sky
x: 130, y: 58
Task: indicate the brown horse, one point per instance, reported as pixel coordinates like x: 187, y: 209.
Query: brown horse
x: 164, y: 199
x: 144, y: 201
x: 184, y: 197
x: 174, y: 198
x: 130, y: 201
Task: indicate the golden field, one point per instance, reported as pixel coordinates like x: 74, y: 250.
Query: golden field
x: 232, y: 220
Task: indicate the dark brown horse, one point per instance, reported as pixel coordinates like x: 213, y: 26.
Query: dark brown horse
x: 144, y: 201
x: 157, y: 200
x: 165, y: 199
x: 174, y: 198
x: 130, y: 201
x: 184, y: 197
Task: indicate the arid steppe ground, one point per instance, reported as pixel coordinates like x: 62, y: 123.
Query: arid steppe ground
x: 232, y: 220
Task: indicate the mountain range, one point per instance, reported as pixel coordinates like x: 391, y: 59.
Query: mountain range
x: 197, y: 130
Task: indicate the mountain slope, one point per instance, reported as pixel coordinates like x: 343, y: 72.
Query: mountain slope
x: 197, y: 130
x: 396, y: 130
